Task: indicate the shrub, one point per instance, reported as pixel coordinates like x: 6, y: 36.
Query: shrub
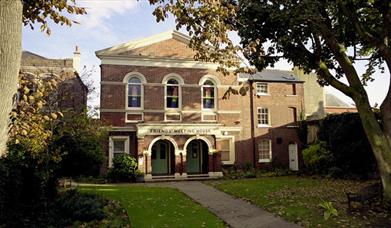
x: 317, y: 158
x: 347, y: 141
x: 27, y: 186
x: 83, y: 155
x: 75, y: 206
x: 79, y: 139
x: 124, y: 168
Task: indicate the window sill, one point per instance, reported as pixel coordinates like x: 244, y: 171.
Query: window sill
x: 227, y: 162
x: 263, y: 94
x: 264, y: 160
x: 173, y: 109
x: 134, y: 121
x: 291, y: 95
x: 134, y: 108
x: 263, y: 126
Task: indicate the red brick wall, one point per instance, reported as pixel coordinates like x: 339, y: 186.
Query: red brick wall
x: 279, y: 103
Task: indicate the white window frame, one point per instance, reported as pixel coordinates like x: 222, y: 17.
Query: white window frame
x: 231, y: 149
x: 215, y: 94
x: 180, y: 81
x: 268, y: 117
x: 111, y: 147
x: 134, y: 121
x: 270, y: 151
x: 126, y: 81
x: 172, y: 113
x: 210, y: 113
x: 259, y: 91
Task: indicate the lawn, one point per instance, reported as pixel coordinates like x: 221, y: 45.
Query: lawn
x: 157, y: 206
x: 297, y: 200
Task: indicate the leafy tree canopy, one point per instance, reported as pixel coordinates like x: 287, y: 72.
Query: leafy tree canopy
x: 326, y: 36
x: 37, y: 11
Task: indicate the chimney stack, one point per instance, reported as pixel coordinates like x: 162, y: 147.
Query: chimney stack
x: 76, y: 59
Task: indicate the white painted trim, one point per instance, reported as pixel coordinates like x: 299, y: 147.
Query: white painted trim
x: 163, y: 138
x: 296, y: 155
x: 180, y: 81
x: 210, y: 147
x: 112, y: 110
x: 215, y: 97
x: 229, y: 111
x: 154, y: 111
x: 125, y: 129
x: 143, y: 80
x: 111, y: 147
x: 172, y: 113
x: 268, y: 116
x: 263, y: 126
x: 144, y: 42
x: 231, y: 139
x: 270, y: 151
x: 134, y: 121
x: 157, y: 62
x: 208, y: 114
x: 211, y: 77
x: 262, y: 93
x: 136, y: 74
x: 112, y: 83
x: 183, y: 124
x: 160, y: 84
x: 173, y: 76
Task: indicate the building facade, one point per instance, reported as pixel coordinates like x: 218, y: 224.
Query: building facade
x: 176, y: 117
x: 72, y: 92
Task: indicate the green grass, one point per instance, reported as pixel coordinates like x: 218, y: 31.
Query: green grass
x: 297, y: 199
x: 157, y: 207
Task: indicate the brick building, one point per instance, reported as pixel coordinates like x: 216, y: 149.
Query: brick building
x: 72, y: 92
x: 168, y: 111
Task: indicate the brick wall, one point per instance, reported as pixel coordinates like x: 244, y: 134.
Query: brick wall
x: 235, y: 110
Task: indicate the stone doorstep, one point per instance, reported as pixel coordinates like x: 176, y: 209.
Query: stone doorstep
x: 183, y: 177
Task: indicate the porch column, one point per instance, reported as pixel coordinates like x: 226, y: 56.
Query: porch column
x: 180, y: 164
x: 148, y: 165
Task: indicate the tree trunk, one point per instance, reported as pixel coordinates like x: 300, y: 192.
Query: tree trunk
x: 10, y: 54
x: 379, y: 141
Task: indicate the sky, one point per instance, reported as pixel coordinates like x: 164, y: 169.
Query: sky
x: 112, y: 22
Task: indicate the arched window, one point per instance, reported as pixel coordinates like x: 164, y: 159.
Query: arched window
x: 134, y: 92
x: 208, y: 94
x: 172, y: 94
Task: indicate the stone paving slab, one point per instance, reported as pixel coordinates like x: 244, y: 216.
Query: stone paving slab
x: 236, y: 213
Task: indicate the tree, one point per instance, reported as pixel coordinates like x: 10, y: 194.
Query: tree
x: 12, y: 14
x: 79, y: 139
x: 326, y: 36
x: 27, y: 180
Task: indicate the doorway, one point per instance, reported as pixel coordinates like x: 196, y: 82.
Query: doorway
x: 197, y: 157
x: 293, y: 157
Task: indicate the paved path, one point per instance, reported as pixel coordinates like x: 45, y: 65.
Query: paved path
x: 235, y: 212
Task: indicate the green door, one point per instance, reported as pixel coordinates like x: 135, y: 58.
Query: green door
x: 160, y: 158
x: 194, y: 157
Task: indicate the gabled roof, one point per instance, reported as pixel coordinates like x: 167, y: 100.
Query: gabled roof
x: 269, y: 75
x: 31, y: 55
x: 334, y: 101
x: 167, y: 44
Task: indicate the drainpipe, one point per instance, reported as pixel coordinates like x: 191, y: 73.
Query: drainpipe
x: 252, y: 122
x: 181, y: 163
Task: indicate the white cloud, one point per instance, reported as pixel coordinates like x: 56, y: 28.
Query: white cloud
x: 100, y: 11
